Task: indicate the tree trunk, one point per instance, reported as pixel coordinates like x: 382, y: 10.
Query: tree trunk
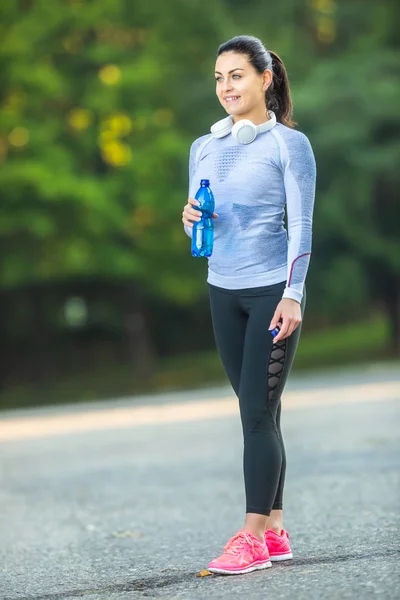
x: 142, y: 350
x: 391, y: 299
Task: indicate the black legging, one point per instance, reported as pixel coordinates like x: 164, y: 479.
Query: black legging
x: 257, y: 370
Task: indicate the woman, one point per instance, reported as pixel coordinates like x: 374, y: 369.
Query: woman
x: 258, y: 166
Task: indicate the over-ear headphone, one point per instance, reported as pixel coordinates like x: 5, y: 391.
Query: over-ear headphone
x: 244, y: 131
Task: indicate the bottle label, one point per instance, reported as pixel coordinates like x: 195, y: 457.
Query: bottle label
x: 199, y: 238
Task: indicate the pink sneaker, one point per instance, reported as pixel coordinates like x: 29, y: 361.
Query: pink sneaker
x: 243, y: 553
x: 278, y: 545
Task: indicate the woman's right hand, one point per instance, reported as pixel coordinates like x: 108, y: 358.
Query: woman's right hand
x: 190, y: 214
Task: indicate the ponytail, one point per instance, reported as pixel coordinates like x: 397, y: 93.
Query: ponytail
x: 277, y: 97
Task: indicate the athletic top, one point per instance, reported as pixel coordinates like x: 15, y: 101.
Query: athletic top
x: 252, y: 184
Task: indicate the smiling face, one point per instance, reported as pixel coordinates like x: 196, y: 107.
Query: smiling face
x: 240, y: 88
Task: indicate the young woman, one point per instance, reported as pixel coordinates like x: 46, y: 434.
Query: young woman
x: 258, y: 166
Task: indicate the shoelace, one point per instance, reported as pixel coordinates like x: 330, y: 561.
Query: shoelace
x: 236, y: 544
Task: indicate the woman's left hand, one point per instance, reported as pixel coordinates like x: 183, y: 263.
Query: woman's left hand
x: 290, y: 312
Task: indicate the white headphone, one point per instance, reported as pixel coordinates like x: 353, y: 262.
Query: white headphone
x: 244, y: 131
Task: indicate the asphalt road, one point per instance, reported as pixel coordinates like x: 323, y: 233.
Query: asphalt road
x: 130, y: 500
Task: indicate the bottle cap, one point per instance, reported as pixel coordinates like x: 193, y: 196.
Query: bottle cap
x: 204, y: 182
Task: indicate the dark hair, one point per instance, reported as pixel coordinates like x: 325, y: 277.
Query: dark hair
x: 277, y: 97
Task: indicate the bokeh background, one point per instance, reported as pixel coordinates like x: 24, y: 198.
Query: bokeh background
x: 100, y: 102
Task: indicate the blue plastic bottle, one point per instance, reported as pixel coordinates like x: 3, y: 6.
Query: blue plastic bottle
x: 203, y: 231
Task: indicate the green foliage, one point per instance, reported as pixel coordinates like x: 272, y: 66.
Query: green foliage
x: 101, y: 99
x: 94, y: 143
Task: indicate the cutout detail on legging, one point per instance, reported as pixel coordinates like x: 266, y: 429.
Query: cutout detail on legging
x: 275, y: 366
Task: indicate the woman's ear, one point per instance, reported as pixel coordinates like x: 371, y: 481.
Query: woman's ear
x: 267, y: 75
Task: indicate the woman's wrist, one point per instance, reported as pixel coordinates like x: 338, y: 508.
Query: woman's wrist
x: 291, y: 299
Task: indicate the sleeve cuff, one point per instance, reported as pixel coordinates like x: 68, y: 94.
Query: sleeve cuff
x: 188, y: 230
x: 293, y: 294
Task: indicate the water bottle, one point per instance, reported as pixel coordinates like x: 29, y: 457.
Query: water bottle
x: 203, y: 230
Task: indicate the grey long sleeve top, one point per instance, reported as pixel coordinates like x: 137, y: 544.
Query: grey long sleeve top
x: 253, y: 185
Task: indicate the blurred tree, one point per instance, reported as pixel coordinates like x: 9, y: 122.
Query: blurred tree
x: 95, y: 99
x: 350, y: 103
x: 99, y: 103
x: 94, y: 139
x: 345, y: 99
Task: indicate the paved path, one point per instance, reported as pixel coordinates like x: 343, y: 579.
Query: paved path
x: 126, y: 500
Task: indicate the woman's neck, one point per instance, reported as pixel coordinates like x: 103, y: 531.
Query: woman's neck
x: 257, y: 116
